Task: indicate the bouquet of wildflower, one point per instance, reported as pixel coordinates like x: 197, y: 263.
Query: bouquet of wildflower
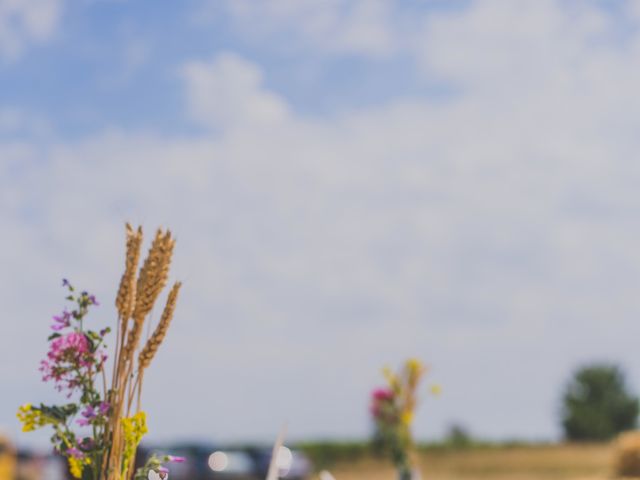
x: 100, y: 427
x: 392, y: 409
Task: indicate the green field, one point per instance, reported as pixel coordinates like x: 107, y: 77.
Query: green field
x: 561, y: 462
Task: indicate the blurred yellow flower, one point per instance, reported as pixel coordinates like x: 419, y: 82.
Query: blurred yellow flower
x: 133, y: 429
x: 435, y: 389
x: 415, y: 366
x: 406, y: 418
x: 75, y: 467
x: 33, y: 418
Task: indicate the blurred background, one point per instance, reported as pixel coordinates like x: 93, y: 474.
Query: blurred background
x: 351, y: 182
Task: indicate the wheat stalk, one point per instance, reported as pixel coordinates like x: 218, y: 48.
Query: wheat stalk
x: 125, y: 299
x: 152, y: 345
x: 151, y: 280
x: 135, y: 300
x: 154, y: 273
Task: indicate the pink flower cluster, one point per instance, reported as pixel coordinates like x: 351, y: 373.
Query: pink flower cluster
x: 67, y: 354
x: 71, y: 356
x: 76, y: 356
x: 382, y: 404
x: 72, y: 347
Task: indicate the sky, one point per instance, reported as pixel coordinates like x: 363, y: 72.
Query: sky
x: 351, y: 183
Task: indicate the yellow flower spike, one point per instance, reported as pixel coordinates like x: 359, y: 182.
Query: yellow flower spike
x: 414, y: 369
x: 75, y: 467
x: 415, y: 365
x: 134, y: 428
x: 33, y: 418
x: 22, y: 412
x: 406, y: 418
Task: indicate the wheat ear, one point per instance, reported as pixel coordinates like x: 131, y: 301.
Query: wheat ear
x: 154, y: 273
x: 125, y: 300
x: 152, y: 345
x: 151, y: 280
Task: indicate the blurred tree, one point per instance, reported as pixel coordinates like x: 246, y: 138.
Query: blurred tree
x: 597, y: 404
x: 458, y: 436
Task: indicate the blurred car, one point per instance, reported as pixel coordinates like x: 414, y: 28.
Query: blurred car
x: 205, y: 461
x: 292, y: 464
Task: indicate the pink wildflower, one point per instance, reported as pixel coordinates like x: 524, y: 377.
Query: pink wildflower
x: 67, y: 354
x: 103, y: 408
x: 61, y: 321
x: 382, y: 394
x: 75, y: 453
x: 69, y: 347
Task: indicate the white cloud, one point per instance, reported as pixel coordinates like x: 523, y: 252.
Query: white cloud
x: 25, y: 22
x: 514, y: 45
x: 228, y: 93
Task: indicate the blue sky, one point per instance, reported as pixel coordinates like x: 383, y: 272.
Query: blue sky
x: 350, y: 182
x: 117, y: 63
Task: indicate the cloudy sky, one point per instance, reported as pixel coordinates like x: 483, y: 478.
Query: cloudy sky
x: 351, y: 182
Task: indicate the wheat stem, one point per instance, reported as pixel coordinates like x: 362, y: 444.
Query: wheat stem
x: 135, y: 300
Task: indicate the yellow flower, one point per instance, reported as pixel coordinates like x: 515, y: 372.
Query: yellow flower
x: 75, y: 467
x: 415, y: 365
x: 25, y: 416
x: 436, y: 389
x: 414, y: 370
x: 133, y: 429
x: 33, y: 418
x: 406, y: 417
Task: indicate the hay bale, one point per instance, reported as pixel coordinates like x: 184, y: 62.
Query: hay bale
x: 627, y: 454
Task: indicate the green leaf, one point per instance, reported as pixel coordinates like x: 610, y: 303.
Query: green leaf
x: 60, y: 413
x: 93, y: 335
x: 92, y: 343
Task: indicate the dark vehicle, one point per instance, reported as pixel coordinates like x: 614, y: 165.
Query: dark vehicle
x: 204, y: 461
x: 292, y: 464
